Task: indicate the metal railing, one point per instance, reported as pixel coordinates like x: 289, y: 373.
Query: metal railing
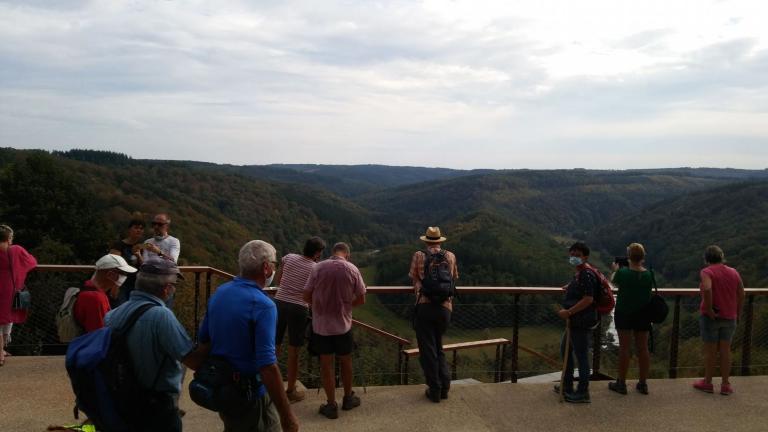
x: 523, y: 315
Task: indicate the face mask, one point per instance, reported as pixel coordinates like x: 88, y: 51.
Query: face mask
x: 121, y: 279
x: 575, y: 261
x: 159, y: 238
x: 433, y: 249
x: 268, y: 282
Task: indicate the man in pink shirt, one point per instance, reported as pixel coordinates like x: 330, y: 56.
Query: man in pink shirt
x: 722, y: 295
x: 334, y: 287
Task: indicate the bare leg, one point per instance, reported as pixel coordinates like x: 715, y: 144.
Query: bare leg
x: 710, y: 352
x: 625, y: 353
x: 643, y: 356
x: 346, y: 373
x: 2, y: 348
x: 326, y: 372
x: 725, y: 361
x: 293, y: 367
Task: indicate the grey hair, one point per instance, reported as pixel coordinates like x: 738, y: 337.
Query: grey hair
x: 5, y: 233
x: 153, y: 283
x: 254, y: 254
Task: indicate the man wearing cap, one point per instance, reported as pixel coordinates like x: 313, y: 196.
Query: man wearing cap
x: 433, y: 272
x: 157, y: 343
x: 92, y: 303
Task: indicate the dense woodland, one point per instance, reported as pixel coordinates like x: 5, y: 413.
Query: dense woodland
x: 507, y: 227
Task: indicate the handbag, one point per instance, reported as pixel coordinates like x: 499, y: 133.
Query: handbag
x: 218, y: 387
x: 657, y: 309
x: 22, y: 299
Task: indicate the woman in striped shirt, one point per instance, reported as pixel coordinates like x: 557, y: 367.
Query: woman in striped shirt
x: 292, y: 310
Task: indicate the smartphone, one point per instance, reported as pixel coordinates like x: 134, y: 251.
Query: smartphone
x: 621, y: 261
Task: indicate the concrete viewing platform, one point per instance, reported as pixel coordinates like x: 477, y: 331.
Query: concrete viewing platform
x: 36, y: 394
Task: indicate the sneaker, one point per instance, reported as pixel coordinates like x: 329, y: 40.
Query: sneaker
x: 726, y: 389
x: 642, y: 387
x: 329, y: 410
x: 579, y: 397
x: 295, y: 395
x: 351, y: 401
x: 704, y: 386
x: 618, y: 387
x: 432, y: 395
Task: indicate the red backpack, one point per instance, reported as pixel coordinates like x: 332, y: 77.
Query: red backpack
x: 604, y: 300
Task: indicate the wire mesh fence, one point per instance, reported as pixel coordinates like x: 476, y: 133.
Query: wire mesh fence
x: 528, y: 320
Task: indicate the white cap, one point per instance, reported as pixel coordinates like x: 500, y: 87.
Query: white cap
x: 110, y: 261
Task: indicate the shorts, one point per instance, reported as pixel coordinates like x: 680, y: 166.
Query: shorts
x: 632, y: 321
x: 716, y: 330
x: 262, y: 417
x: 337, y: 344
x: 293, y: 317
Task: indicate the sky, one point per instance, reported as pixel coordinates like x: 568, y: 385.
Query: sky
x: 461, y: 84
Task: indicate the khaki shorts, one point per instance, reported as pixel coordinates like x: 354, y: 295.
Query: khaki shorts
x: 262, y: 417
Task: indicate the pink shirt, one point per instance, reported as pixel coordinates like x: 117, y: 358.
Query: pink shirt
x: 725, y: 286
x: 334, y: 284
x: 296, y: 271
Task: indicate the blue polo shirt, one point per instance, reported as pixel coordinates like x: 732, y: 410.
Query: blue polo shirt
x: 157, y: 342
x: 240, y: 325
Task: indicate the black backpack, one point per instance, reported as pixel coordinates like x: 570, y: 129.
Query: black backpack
x: 438, y: 284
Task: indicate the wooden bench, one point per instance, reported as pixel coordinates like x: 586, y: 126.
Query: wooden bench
x: 455, y: 348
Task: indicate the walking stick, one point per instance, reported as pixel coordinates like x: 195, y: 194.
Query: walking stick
x: 566, y: 354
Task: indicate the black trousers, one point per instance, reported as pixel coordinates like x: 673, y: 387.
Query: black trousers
x: 430, y: 322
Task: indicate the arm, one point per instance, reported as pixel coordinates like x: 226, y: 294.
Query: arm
x: 175, y: 251
x: 584, y: 303
x: 310, y: 287
x: 359, y: 290
x: 197, y: 356
x: 273, y: 382
x: 706, y: 295
x: 278, y: 277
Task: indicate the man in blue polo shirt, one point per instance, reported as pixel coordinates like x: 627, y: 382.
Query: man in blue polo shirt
x: 240, y: 327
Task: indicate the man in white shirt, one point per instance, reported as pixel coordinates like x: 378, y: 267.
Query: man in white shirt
x: 162, y: 245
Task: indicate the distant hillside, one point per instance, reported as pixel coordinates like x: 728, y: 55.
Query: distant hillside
x: 567, y: 202
x: 676, y: 231
x: 69, y: 210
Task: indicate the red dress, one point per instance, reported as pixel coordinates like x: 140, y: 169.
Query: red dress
x: 22, y: 262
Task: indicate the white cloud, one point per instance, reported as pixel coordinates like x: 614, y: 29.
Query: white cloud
x: 479, y: 83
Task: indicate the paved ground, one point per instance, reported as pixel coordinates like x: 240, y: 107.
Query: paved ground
x: 35, y: 394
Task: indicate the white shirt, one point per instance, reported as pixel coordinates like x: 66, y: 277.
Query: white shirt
x: 170, y: 247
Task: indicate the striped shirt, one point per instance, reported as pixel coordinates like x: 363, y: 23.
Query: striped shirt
x: 296, y: 270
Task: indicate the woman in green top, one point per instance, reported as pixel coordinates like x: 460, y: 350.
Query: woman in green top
x: 635, y: 284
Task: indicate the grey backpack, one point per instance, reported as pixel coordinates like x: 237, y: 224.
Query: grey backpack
x: 66, y: 324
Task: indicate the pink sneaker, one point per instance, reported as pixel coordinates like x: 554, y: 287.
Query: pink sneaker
x: 704, y: 386
x: 726, y: 389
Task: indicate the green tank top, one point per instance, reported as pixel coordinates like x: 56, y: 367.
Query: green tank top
x: 635, y: 290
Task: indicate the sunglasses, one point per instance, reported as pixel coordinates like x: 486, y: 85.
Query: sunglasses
x: 159, y: 223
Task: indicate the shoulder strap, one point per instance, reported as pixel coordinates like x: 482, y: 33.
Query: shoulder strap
x: 135, y: 315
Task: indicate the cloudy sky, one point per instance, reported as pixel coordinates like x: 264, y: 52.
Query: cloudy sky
x: 462, y: 84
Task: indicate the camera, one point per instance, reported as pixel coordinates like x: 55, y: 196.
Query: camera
x: 622, y: 261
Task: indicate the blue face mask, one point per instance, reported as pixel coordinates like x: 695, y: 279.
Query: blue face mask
x: 575, y: 261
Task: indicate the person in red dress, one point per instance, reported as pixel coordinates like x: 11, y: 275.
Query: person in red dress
x: 15, y: 263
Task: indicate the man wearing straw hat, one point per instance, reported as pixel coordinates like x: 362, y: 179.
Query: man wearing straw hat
x: 433, y: 272
x: 580, y: 315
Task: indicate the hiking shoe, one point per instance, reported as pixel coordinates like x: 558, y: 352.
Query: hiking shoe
x: 579, y: 397
x: 642, y: 387
x: 329, y: 410
x: 295, y: 395
x: 444, y: 394
x: 432, y: 395
x: 618, y: 387
x: 349, y: 402
x: 704, y: 386
x: 726, y: 389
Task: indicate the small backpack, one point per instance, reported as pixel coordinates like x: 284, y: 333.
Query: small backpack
x: 66, y: 324
x: 604, y: 300
x: 438, y: 284
x: 101, y: 373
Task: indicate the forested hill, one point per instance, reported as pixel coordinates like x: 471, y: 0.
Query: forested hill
x: 676, y: 232
x: 67, y: 211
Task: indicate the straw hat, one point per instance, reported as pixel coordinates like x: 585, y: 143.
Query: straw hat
x: 433, y: 235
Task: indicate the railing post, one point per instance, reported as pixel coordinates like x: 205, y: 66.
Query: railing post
x: 400, y: 363
x: 197, y: 304
x: 404, y: 376
x: 454, y: 375
x: 497, y: 371
x: 207, y: 288
x: 674, y: 339
x: 746, y: 343
x: 515, y: 339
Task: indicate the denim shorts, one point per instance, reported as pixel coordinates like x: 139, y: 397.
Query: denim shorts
x: 715, y: 330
